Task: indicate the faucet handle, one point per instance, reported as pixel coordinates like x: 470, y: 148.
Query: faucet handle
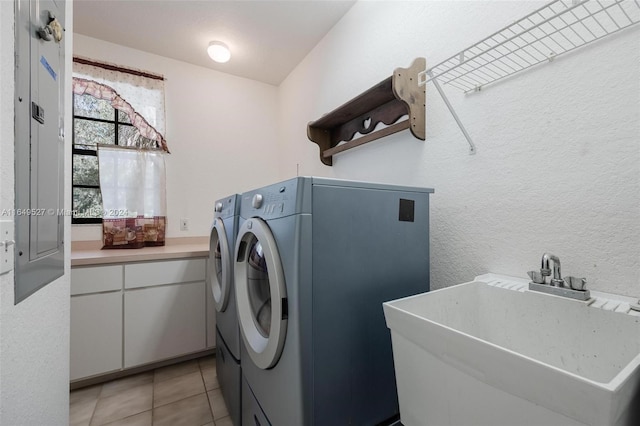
x: 536, y: 276
x: 576, y: 283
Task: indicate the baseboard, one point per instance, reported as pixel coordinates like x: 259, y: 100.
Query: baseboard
x: 94, y: 380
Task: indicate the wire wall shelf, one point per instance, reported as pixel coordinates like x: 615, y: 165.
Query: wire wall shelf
x: 557, y: 28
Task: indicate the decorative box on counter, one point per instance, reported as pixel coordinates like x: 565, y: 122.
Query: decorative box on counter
x: 133, y: 232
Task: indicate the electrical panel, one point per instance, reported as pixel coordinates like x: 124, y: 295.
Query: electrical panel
x: 39, y: 145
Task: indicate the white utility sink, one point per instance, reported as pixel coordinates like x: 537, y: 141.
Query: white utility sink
x: 491, y: 352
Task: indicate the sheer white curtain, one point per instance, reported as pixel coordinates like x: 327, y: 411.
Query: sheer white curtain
x: 133, y: 186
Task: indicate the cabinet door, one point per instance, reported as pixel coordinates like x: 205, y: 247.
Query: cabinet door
x: 96, y: 334
x: 164, y: 322
x: 95, y: 279
x: 149, y: 274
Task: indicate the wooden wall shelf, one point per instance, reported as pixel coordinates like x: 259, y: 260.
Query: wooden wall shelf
x: 386, y: 102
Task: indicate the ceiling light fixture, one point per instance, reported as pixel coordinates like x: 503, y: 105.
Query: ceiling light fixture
x: 219, y: 52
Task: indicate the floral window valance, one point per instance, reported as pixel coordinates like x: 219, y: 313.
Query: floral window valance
x: 139, y: 94
x: 82, y: 86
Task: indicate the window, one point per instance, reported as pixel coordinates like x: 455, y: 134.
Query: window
x: 95, y: 122
x: 114, y: 108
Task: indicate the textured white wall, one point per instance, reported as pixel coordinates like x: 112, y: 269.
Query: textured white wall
x: 6, y: 137
x: 216, y: 123
x: 558, y: 161
x: 34, y: 335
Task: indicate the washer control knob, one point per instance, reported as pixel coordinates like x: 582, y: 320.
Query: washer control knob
x: 256, y: 202
x: 218, y: 207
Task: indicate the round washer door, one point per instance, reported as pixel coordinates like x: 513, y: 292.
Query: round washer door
x: 260, y: 293
x: 220, y: 264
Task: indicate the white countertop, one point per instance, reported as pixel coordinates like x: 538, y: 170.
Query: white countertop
x: 85, y: 253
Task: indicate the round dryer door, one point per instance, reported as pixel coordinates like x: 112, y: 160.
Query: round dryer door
x: 260, y: 293
x: 220, y: 264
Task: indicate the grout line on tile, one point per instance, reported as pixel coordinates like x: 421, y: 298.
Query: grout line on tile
x: 153, y: 395
x: 182, y: 399
x: 206, y: 393
x: 100, y: 393
x: 96, y: 405
x: 136, y: 414
x: 200, y: 369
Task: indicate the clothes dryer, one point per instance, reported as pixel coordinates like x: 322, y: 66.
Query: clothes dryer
x: 315, y: 259
x: 221, y: 281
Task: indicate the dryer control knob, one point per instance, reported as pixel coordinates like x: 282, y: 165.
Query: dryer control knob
x: 256, y: 202
x: 218, y: 207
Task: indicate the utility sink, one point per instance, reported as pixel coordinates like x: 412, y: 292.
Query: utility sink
x: 491, y: 352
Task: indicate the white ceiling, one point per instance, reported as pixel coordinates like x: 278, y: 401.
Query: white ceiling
x: 267, y: 38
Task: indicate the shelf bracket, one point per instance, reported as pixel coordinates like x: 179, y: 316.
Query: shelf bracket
x: 434, y: 80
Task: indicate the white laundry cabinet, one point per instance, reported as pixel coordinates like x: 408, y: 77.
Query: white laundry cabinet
x: 96, y: 320
x: 133, y: 314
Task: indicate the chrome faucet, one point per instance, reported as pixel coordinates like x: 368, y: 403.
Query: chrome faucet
x: 557, y: 280
x: 572, y: 287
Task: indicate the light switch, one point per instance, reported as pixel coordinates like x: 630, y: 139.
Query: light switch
x: 7, y: 245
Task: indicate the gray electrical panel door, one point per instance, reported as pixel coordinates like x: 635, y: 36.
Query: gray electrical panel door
x: 39, y: 145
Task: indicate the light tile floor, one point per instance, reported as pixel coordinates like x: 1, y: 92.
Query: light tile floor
x: 185, y: 394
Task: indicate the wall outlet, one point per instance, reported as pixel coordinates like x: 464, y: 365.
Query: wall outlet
x: 184, y: 224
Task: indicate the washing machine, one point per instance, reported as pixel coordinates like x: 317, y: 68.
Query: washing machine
x: 315, y: 259
x: 221, y: 281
